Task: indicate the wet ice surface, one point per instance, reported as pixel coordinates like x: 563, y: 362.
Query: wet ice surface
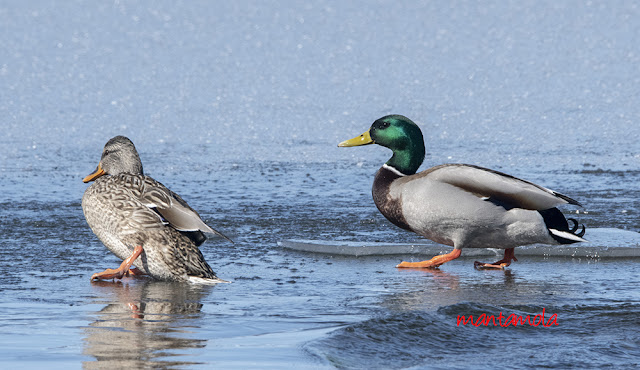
x: 603, y: 242
x: 239, y: 106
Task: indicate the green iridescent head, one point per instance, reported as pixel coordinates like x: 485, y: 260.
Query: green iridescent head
x: 401, y: 135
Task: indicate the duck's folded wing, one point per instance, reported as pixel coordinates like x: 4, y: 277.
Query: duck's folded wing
x: 174, y: 209
x: 499, y: 186
x: 133, y: 215
x: 141, y: 218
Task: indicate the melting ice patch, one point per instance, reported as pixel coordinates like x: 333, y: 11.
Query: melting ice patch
x: 602, y: 242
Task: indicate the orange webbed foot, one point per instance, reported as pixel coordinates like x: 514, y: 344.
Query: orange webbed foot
x: 432, y: 263
x: 497, y: 265
x: 421, y: 264
x: 121, y: 271
x: 109, y: 274
x: 134, y: 271
x: 509, y: 255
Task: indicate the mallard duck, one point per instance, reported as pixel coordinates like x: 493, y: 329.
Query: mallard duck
x: 460, y: 205
x: 142, y: 222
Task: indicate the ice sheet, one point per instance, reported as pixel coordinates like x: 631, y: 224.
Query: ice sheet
x: 603, y: 242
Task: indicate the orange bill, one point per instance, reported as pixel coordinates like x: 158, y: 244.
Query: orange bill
x: 97, y: 173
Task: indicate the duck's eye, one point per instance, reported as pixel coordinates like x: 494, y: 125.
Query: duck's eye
x: 384, y: 125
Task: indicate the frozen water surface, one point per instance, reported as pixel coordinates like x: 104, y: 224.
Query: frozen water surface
x: 603, y: 242
x: 238, y: 106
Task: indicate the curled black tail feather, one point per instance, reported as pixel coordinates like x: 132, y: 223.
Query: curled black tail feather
x: 575, y: 227
x: 554, y: 219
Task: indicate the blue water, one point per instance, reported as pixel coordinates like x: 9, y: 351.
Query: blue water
x: 238, y: 106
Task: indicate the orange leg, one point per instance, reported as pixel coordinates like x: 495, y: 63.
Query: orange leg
x: 120, y: 271
x: 509, y: 255
x: 435, y: 261
x: 135, y: 311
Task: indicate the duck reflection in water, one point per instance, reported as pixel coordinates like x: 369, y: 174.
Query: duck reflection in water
x: 447, y: 288
x: 145, y: 323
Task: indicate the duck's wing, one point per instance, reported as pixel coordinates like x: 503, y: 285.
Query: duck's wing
x: 137, y: 218
x: 173, y: 209
x: 498, y: 186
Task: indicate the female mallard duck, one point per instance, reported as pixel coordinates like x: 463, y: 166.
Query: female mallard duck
x: 143, y: 222
x: 460, y: 205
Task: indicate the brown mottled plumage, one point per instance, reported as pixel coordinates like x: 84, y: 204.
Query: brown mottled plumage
x: 126, y: 209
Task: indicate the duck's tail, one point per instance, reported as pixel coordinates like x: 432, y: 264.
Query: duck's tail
x: 206, y: 281
x: 559, y: 227
x: 197, y: 237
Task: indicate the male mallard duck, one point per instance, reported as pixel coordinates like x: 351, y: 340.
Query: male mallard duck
x: 460, y: 205
x: 143, y: 222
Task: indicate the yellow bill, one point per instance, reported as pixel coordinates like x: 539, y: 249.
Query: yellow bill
x: 363, y: 139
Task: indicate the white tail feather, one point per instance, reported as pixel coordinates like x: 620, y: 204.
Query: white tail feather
x: 567, y: 235
x: 203, y: 281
